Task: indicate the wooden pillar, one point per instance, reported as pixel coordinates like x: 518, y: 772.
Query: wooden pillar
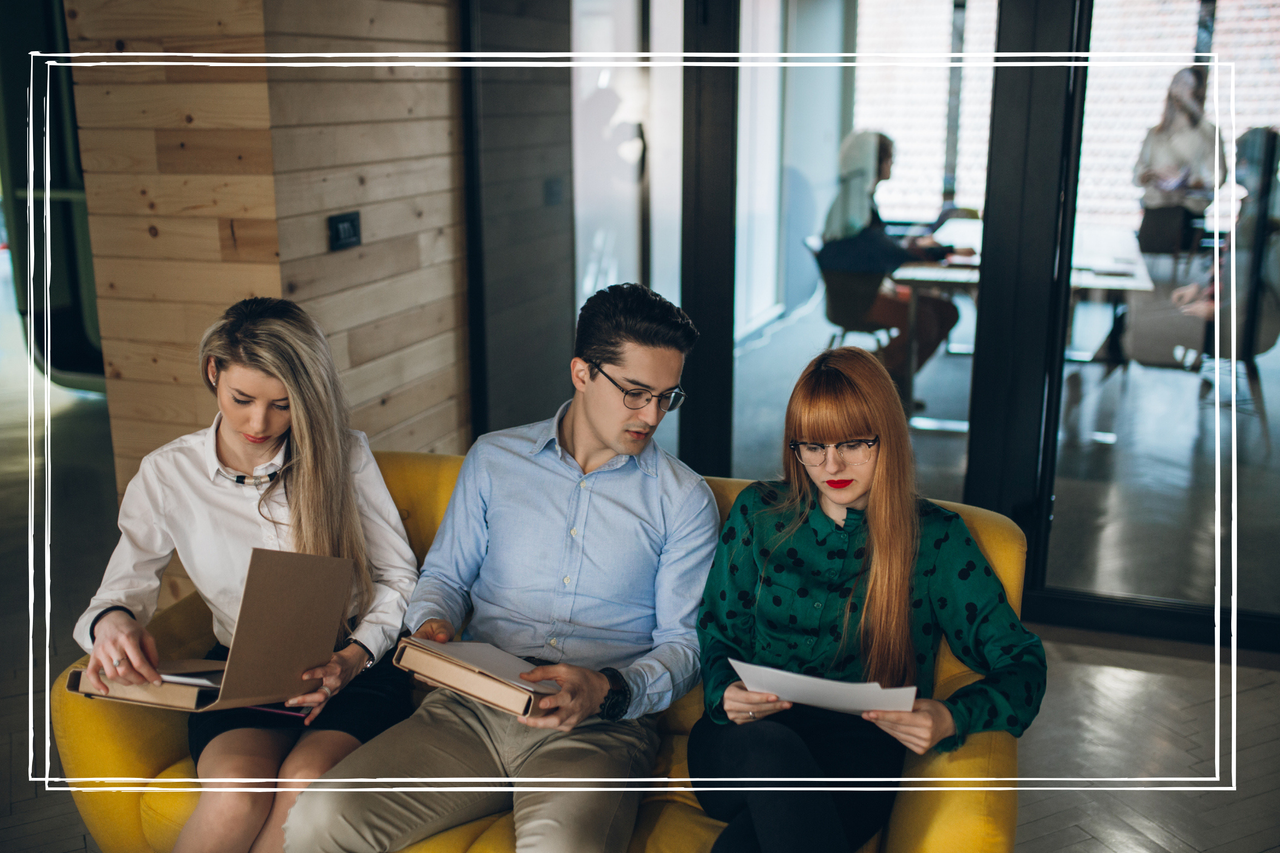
x: 206, y: 185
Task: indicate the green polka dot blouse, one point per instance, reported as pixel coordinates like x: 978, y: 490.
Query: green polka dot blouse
x: 781, y: 604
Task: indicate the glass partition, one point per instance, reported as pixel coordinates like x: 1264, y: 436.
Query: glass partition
x: 792, y: 121
x: 1148, y: 413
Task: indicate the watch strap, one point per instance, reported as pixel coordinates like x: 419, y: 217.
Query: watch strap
x: 618, y: 699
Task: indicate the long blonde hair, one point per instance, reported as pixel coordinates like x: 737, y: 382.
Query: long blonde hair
x: 276, y: 337
x: 846, y: 393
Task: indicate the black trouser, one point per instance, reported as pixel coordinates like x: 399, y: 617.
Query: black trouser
x: 803, y: 742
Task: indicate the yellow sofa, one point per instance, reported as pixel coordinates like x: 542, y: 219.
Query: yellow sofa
x: 142, y: 747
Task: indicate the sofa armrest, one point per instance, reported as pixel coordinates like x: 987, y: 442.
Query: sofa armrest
x: 966, y: 821
x: 100, y: 739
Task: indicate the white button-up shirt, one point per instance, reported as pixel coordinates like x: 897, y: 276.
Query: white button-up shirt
x: 183, y: 500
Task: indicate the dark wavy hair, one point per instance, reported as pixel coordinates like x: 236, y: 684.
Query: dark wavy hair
x: 629, y: 313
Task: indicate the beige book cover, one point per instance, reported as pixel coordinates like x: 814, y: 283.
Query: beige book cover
x: 479, y: 671
x: 288, y: 619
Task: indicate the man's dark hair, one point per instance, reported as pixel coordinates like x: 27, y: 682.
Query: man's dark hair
x: 628, y: 313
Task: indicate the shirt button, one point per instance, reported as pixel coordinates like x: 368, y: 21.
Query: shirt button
x: 553, y: 641
x: 573, y: 531
x: 809, y: 641
x: 566, y: 578
x: 582, y: 484
x: 817, y: 605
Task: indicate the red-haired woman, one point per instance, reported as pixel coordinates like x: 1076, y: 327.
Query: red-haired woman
x: 842, y: 572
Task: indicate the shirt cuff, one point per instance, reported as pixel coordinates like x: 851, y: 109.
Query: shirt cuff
x: 94, y: 623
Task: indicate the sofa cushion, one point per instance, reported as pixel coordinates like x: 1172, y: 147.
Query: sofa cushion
x: 166, y: 811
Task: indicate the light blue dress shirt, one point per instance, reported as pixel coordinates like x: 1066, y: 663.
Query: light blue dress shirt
x: 595, y: 570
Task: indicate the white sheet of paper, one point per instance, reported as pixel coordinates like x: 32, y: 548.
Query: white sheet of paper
x: 851, y: 698
x: 195, y: 679
x: 494, y: 661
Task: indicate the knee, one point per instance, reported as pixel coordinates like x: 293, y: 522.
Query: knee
x: 231, y: 806
x: 301, y: 772
x: 324, y: 820
x: 765, y: 748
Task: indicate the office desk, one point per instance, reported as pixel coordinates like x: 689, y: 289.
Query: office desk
x: 1103, y: 258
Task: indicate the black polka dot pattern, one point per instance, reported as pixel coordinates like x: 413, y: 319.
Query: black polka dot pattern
x: 783, y: 601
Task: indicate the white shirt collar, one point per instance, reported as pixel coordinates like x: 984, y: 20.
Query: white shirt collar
x: 211, y: 455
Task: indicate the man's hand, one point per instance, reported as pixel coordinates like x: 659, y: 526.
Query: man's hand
x: 124, y: 650
x: 919, y: 729
x: 438, y: 630
x: 581, y: 692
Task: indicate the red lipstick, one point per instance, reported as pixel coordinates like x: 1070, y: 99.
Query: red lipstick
x: 839, y: 484
x: 254, y: 439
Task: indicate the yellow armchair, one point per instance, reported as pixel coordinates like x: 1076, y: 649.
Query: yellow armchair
x: 143, y: 748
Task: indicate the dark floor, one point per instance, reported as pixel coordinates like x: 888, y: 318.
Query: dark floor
x: 1117, y: 706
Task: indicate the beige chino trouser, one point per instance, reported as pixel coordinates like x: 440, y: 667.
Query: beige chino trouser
x: 453, y: 737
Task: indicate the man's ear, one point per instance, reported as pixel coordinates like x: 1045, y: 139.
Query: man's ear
x: 580, y: 373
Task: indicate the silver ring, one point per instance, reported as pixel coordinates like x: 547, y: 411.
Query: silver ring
x: 116, y: 663
x: 328, y: 692
x: 751, y: 714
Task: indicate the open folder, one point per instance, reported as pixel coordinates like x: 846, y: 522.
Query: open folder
x: 849, y: 697
x: 289, y: 616
x: 480, y: 671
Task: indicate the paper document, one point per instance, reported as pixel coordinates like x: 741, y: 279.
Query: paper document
x: 851, y: 698
x: 197, y: 679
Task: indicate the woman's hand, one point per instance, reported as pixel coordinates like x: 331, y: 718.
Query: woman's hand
x: 335, y: 675
x: 743, y: 706
x: 1185, y: 295
x: 919, y: 729
x: 124, y: 650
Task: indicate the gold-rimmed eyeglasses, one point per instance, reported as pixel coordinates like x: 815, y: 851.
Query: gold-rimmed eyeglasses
x: 855, y: 452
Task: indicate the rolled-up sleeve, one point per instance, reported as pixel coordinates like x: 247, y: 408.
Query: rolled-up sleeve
x: 670, y: 670
x: 392, y: 565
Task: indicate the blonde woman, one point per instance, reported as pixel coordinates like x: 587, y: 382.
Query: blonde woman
x: 841, y: 571
x: 278, y: 469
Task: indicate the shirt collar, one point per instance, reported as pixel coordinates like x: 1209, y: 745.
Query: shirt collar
x: 823, y: 525
x: 646, y: 461
x: 211, y: 455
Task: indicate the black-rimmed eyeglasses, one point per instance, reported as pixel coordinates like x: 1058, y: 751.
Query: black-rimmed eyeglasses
x: 856, y: 452
x: 638, y: 398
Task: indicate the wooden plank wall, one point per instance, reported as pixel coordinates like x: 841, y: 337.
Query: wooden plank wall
x: 207, y: 185
x: 382, y: 141
x: 181, y: 199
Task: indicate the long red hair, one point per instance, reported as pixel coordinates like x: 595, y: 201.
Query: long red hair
x: 846, y: 393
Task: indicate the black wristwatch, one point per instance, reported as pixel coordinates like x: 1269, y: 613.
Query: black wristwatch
x: 618, y: 699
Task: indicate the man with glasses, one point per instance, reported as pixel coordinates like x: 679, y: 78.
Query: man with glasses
x: 581, y: 546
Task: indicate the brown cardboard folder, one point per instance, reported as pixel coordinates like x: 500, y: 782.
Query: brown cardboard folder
x: 289, y: 615
x: 477, y: 670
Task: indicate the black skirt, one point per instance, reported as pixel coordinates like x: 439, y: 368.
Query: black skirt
x: 375, y: 700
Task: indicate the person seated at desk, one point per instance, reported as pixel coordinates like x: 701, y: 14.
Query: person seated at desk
x: 280, y: 470
x: 855, y: 241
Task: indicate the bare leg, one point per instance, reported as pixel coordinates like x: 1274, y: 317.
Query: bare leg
x: 316, y: 753
x: 227, y: 819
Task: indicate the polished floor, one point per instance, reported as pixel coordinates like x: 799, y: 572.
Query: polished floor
x: 1117, y: 706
